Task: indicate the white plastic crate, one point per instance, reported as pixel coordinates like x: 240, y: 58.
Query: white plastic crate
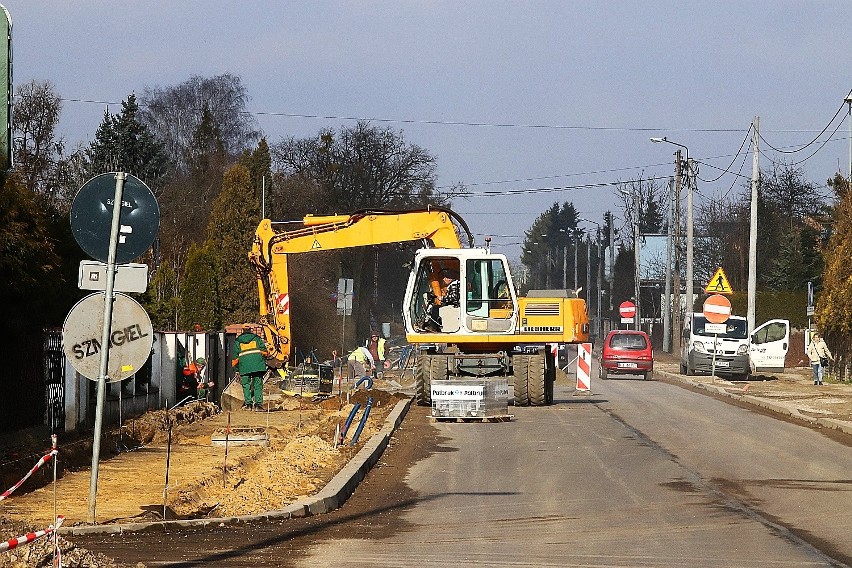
x: 470, y: 398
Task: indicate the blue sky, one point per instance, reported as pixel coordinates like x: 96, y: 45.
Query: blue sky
x: 532, y: 96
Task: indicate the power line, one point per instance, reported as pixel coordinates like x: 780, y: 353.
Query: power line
x: 469, y: 123
x: 840, y: 108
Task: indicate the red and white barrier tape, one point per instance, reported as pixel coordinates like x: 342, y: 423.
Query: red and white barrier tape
x: 35, y: 468
x: 29, y: 537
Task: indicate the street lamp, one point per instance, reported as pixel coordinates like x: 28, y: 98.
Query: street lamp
x: 848, y: 100
x: 689, y: 239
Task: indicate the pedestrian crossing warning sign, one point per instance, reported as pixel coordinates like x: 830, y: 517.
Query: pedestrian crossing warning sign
x: 719, y: 283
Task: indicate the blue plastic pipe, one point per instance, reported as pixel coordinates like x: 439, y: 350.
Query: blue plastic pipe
x: 365, y: 378
x: 363, y: 421
x: 349, y: 421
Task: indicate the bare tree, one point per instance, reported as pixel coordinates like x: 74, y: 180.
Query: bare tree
x: 37, y: 149
x: 176, y: 114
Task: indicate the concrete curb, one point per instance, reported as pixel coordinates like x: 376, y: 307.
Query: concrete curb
x: 771, y: 405
x: 329, y: 498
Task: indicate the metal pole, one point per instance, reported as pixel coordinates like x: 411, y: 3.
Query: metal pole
x: 588, y: 272
x: 667, y: 311
x: 676, y: 320
x: 599, y: 273
x: 636, y: 274
x: 105, y: 333
x: 849, y: 119
x: 611, y: 260
x: 752, y: 235
x: 575, y: 261
x: 690, y: 181
x: 565, y: 266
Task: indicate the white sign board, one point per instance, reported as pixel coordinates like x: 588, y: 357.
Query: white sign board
x: 130, y: 342
x: 131, y: 277
x: 715, y: 328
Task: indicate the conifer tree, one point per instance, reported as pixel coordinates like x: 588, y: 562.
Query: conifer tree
x: 230, y: 233
x: 161, y: 299
x: 199, y: 290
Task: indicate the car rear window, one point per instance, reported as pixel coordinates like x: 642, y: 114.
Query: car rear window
x: 628, y: 341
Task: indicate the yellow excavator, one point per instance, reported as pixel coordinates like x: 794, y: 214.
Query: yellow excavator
x: 481, y: 329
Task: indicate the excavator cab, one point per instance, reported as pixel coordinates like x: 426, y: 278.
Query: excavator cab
x: 460, y: 292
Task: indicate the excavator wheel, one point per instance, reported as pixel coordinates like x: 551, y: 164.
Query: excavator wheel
x: 520, y: 368
x: 537, y: 381
x: 422, y: 382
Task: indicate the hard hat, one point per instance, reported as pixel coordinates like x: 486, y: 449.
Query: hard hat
x: 201, y: 361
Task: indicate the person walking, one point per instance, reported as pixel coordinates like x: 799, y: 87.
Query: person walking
x: 376, y: 346
x: 819, y: 356
x: 248, y: 358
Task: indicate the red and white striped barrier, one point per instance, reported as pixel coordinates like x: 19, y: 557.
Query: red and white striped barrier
x: 29, y: 537
x: 584, y: 366
x: 35, y: 468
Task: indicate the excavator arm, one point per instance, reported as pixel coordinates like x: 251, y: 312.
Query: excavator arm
x: 436, y: 227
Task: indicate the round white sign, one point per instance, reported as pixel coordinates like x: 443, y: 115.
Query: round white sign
x: 130, y: 339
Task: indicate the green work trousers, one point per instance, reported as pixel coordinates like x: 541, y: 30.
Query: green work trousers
x: 252, y: 382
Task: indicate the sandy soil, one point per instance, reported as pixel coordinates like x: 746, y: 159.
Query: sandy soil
x: 203, y: 480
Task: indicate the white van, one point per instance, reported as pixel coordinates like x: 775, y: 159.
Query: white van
x: 737, y: 355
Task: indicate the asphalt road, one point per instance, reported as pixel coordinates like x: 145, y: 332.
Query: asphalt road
x: 639, y: 474
x: 636, y: 474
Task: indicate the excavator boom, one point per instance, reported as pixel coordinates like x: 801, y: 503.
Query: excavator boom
x: 435, y: 226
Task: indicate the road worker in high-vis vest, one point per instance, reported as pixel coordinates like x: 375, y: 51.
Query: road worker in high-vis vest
x: 248, y: 358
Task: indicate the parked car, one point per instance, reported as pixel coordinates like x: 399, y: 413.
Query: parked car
x: 626, y: 352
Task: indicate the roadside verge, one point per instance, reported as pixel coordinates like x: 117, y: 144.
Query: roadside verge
x: 330, y: 497
x: 776, y: 406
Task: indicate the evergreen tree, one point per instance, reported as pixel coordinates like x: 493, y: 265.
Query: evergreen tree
x: 233, y: 219
x: 161, y: 299
x: 549, y: 242
x: 199, y: 290
x: 122, y: 143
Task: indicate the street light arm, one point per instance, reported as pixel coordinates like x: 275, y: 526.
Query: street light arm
x: 664, y: 139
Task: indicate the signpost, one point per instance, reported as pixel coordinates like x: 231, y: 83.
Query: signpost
x: 628, y: 312
x: 115, y: 235
x: 717, y: 310
x: 129, y: 342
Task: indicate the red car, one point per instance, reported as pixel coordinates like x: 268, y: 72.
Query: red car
x: 626, y: 352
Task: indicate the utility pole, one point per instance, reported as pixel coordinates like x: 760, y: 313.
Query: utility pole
x: 676, y: 320
x: 599, y: 327
x: 565, y: 266
x: 690, y: 243
x: 667, y: 304
x: 610, y: 276
x: 547, y: 274
x: 575, y: 261
x: 636, y: 272
x: 752, y: 234
x: 588, y: 272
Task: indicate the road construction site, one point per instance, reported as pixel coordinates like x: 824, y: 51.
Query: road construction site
x: 297, y: 470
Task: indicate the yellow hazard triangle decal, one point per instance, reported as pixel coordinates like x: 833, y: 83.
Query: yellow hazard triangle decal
x: 316, y: 245
x: 719, y: 284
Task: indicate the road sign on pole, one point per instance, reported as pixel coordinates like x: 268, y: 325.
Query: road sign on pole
x: 91, y: 217
x: 628, y: 311
x: 718, y: 283
x: 129, y: 341
x: 717, y: 309
x: 131, y: 277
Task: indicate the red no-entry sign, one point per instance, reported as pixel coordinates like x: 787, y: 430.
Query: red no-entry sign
x: 717, y: 309
x: 627, y: 309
